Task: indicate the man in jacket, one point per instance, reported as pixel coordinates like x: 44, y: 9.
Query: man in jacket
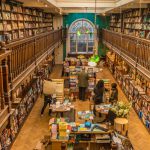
x: 82, y: 83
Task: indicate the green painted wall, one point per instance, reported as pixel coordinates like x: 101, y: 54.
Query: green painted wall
x: 101, y: 21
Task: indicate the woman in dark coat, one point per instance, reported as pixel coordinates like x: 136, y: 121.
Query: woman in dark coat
x: 114, y: 93
x: 99, y: 92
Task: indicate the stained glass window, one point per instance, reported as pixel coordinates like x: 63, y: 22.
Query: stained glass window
x: 81, y: 37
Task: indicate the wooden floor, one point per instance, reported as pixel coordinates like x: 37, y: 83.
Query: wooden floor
x: 36, y: 126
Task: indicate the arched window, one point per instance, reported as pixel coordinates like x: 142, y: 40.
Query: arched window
x: 81, y: 35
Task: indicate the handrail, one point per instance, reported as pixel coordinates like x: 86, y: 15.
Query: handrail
x: 133, y: 48
x: 126, y: 35
x: 29, y: 38
x: 26, y: 51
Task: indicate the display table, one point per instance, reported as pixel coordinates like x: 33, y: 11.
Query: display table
x: 61, y: 109
x: 95, y: 137
x: 103, y: 108
x: 100, y: 140
x: 86, y: 115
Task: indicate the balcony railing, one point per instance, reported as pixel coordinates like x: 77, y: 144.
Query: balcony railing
x: 134, y: 48
x: 27, y: 51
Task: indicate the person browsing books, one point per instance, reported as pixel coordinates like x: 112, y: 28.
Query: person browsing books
x: 114, y: 93
x: 82, y: 83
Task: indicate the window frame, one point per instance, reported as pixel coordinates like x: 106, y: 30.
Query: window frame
x: 74, y: 25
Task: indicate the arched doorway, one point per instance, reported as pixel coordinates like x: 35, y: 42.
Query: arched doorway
x: 81, y: 37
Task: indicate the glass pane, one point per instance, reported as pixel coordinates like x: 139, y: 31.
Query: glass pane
x: 90, y: 49
x: 72, y: 43
x: 90, y: 43
x: 81, y: 46
x: 72, y: 36
x: 82, y: 23
x: 82, y: 37
x: 91, y: 36
x: 72, y: 49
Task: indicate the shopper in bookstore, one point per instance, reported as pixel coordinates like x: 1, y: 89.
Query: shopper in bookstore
x: 83, y: 83
x: 99, y: 92
x: 47, y: 101
x: 114, y: 93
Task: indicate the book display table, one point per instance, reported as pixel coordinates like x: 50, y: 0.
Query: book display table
x: 103, y: 108
x: 61, y: 108
x: 86, y: 115
x: 75, y: 136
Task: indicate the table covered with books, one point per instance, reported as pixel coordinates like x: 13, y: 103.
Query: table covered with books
x: 74, y: 136
x: 103, y: 108
x: 85, y: 115
x: 62, y: 107
x: 78, y: 135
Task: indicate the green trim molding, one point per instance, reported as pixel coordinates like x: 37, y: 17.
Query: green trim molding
x: 101, y: 21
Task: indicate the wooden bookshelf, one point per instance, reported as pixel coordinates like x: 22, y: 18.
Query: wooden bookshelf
x: 18, y: 22
x: 135, y: 22
x: 134, y: 85
x: 132, y: 49
x: 115, y: 22
x: 23, y: 99
x: 25, y: 87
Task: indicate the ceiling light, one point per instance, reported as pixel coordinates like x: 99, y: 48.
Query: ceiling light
x: 103, y: 14
x: 46, y: 5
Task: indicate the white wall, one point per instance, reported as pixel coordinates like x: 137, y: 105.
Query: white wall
x: 57, y: 22
x: 59, y: 55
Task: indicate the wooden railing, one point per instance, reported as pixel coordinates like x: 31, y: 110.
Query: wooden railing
x: 25, y: 52
x: 136, y: 48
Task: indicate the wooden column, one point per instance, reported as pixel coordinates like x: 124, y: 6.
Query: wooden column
x: 2, y: 103
x: 6, y: 82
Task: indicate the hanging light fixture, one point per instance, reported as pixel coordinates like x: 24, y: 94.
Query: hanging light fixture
x: 94, y: 47
x: 87, y: 30
x: 93, y: 60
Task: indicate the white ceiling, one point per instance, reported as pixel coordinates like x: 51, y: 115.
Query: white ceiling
x: 102, y: 6
x: 83, y: 6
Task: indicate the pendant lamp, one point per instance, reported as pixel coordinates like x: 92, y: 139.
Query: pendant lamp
x: 93, y: 60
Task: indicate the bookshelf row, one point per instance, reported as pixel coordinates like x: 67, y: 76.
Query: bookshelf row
x: 18, y: 114
x: 135, y: 86
x: 23, y: 99
x: 17, y: 22
x: 135, y: 22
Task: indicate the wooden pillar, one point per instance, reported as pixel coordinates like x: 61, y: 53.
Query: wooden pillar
x: 6, y: 82
x: 3, y: 48
x: 2, y: 103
